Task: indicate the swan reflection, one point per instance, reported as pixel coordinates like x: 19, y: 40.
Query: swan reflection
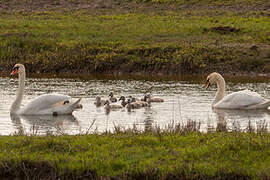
x: 239, y: 119
x: 45, y: 124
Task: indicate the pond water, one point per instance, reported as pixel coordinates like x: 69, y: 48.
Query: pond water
x: 186, y: 99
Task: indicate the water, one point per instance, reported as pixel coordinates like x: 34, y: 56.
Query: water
x: 185, y: 99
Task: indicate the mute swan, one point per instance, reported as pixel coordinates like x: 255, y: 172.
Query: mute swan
x: 123, y: 101
x: 109, y: 106
x: 132, y: 105
x: 153, y: 99
x: 99, y: 101
x: 47, y: 104
x: 142, y: 103
x: 245, y: 99
x: 133, y: 99
x: 112, y: 98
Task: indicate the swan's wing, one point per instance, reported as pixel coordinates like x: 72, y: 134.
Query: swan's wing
x: 240, y: 99
x: 46, y: 101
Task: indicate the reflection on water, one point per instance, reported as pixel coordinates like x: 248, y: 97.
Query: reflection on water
x: 241, y: 119
x: 45, y: 124
x: 184, y: 101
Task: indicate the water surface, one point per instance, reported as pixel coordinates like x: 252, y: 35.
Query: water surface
x: 186, y: 99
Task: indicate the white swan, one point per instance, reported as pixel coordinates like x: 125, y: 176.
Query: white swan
x: 48, y: 104
x: 148, y: 97
x: 245, y: 99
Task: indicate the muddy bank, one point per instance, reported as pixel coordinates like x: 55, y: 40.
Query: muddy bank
x: 104, y: 59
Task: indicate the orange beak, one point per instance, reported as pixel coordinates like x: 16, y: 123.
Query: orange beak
x: 14, y: 72
x: 207, y: 84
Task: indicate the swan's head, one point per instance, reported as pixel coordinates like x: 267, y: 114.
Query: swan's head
x: 111, y: 94
x: 18, y: 68
x: 148, y: 95
x: 107, y: 102
x: 98, y: 98
x: 213, y: 77
x: 122, y: 98
x: 128, y: 101
x: 132, y: 99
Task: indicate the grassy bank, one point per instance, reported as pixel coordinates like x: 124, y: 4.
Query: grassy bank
x: 136, y: 36
x: 129, y: 155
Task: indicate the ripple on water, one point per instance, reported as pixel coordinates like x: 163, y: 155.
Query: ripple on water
x: 184, y: 101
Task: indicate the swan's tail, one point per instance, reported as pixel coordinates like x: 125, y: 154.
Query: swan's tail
x: 266, y: 104
x: 76, y: 105
x: 70, y: 107
x: 263, y: 105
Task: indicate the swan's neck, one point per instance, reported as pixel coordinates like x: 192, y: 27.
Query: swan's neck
x: 123, y: 103
x: 17, y: 103
x: 221, y: 90
x: 107, y: 106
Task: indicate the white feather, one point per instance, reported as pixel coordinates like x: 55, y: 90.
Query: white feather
x: 48, y: 104
x: 240, y: 100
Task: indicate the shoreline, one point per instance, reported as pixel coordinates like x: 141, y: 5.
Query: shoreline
x: 195, y: 78
x: 177, y: 154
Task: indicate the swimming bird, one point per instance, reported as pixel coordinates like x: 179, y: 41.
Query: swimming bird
x: 47, y: 104
x: 136, y: 100
x: 109, y: 106
x: 245, y: 99
x: 99, y: 101
x: 123, y: 101
x: 112, y: 98
x: 133, y: 105
x: 133, y: 99
x: 148, y: 97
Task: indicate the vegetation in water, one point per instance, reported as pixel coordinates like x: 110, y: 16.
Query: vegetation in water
x: 136, y: 36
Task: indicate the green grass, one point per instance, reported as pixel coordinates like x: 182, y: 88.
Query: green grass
x: 147, y: 155
x: 130, y: 30
x: 208, y: 2
x: 135, y: 40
